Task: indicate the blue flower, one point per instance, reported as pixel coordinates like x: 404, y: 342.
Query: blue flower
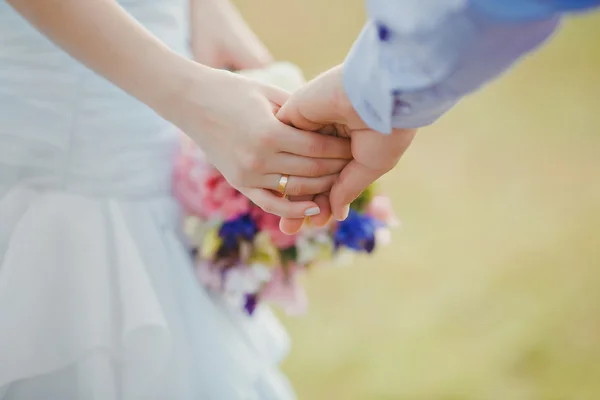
x: 356, y: 232
x: 240, y: 229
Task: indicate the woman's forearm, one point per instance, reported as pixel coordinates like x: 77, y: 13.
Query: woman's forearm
x: 101, y: 35
x: 229, y: 116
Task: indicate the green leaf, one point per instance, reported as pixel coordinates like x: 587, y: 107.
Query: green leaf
x: 289, y: 255
x: 362, y: 201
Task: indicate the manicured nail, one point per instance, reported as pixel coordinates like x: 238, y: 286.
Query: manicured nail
x: 312, y: 211
x: 344, y: 214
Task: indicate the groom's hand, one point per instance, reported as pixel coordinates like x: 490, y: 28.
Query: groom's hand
x: 323, y: 105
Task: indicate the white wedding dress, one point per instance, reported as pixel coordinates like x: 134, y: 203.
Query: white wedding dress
x: 98, y: 299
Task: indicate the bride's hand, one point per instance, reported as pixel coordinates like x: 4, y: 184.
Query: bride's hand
x: 220, y: 38
x: 229, y: 116
x: 232, y: 119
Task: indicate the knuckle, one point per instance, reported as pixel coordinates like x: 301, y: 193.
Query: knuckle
x: 317, y: 146
x: 268, y: 208
x: 315, y: 168
x: 251, y: 161
x: 266, y: 138
x: 326, y: 184
x: 236, y: 178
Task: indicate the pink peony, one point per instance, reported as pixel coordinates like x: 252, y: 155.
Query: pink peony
x: 285, y: 291
x: 270, y: 223
x: 202, y: 190
x: 382, y: 210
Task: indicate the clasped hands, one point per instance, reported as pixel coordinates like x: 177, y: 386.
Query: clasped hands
x: 255, y: 134
x: 323, y: 106
x: 351, y: 159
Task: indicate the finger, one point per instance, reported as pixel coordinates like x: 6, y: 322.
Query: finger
x: 324, y: 217
x: 290, y: 114
x: 299, y: 185
x: 291, y: 226
x: 310, y: 144
x: 294, y: 165
x: 274, y: 204
x: 275, y: 95
x: 304, y: 142
x: 352, y: 181
x: 322, y: 101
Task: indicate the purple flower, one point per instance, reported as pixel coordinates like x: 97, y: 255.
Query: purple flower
x: 356, y: 232
x: 250, y: 303
x: 240, y: 229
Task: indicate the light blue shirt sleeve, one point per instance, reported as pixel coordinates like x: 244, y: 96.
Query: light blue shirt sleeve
x: 415, y: 59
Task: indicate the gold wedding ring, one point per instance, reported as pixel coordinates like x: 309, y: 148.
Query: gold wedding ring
x: 282, y: 184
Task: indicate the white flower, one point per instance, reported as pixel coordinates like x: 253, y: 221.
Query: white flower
x: 307, y: 250
x: 245, y: 279
x: 313, y: 244
x: 344, y: 257
x: 237, y: 281
x: 383, y: 236
x: 284, y: 75
x: 261, y: 272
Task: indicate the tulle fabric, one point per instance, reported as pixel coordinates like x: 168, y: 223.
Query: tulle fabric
x: 98, y: 300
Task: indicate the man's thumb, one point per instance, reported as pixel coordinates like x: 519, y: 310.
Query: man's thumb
x: 353, y: 180
x: 290, y: 114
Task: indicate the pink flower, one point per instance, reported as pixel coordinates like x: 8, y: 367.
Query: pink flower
x: 270, y: 223
x: 222, y: 199
x: 285, y: 291
x: 382, y: 210
x: 202, y: 190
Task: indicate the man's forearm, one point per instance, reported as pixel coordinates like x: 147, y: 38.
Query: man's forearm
x: 415, y: 59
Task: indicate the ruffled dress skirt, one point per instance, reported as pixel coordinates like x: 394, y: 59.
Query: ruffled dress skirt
x: 99, y: 300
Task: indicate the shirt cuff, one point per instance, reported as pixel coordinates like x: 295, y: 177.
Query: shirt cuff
x: 366, y: 85
x: 375, y: 94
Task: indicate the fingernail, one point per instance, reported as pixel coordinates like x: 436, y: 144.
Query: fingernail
x: 344, y: 214
x: 281, y: 227
x: 312, y: 211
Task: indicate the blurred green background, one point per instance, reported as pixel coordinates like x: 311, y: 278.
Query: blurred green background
x: 491, y: 291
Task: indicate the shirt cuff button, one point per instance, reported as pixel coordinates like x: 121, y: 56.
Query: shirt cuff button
x: 401, y: 108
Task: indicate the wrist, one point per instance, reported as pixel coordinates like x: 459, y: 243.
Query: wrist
x: 186, y: 81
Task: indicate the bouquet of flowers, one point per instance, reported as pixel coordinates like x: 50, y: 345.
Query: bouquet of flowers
x: 240, y: 253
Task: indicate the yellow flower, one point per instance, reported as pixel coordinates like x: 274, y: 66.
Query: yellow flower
x: 211, y: 243
x: 193, y: 229
x: 325, y: 251
x: 264, y: 251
